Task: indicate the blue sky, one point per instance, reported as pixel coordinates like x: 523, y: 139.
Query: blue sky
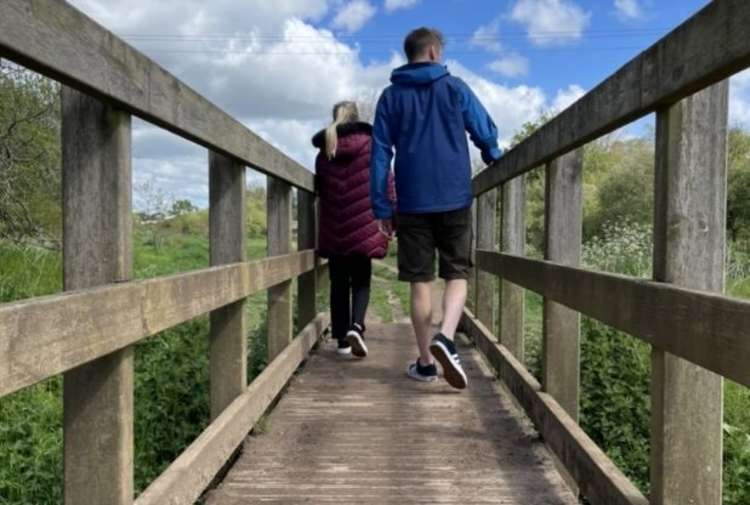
x: 279, y: 65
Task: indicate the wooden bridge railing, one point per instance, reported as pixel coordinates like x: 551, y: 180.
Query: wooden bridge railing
x: 88, y: 332
x: 697, y: 334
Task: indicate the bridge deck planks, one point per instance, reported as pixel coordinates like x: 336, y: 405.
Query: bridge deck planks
x: 362, y: 432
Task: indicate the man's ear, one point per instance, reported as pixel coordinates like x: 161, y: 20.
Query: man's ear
x: 434, y: 53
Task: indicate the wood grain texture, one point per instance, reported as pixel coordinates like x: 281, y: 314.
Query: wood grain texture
x: 97, y: 249
x: 513, y: 241
x: 486, y: 284
x: 708, y: 329
x: 227, y: 244
x: 306, y: 239
x: 45, y: 336
x: 56, y: 40
x: 189, y: 475
x: 600, y: 481
x: 689, y: 250
x: 362, y: 432
x: 562, y: 244
x: 707, y: 48
x: 279, y: 217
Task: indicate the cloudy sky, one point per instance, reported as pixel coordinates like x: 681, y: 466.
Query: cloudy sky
x: 279, y: 65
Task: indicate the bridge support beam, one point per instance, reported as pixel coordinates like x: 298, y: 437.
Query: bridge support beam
x: 512, y: 241
x: 689, y: 250
x: 97, y: 249
x: 486, y: 283
x: 279, y: 208
x: 562, y: 244
x: 228, y: 336
x: 306, y: 237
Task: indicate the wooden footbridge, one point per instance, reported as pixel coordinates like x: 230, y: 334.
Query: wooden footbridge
x: 359, y: 432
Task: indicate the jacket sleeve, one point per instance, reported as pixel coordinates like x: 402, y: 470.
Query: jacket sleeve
x: 479, y: 124
x: 380, y: 162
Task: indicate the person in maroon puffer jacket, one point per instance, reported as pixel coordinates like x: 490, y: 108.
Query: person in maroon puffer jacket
x: 348, y: 236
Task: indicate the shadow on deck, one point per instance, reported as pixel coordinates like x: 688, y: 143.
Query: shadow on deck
x: 361, y: 432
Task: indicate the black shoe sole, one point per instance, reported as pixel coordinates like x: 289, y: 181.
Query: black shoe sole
x: 359, y: 349
x: 454, y: 376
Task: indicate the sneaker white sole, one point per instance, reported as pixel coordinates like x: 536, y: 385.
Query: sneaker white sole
x: 345, y: 351
x: 421, y: 378
x: 453, y: 374
x: 357, y: 343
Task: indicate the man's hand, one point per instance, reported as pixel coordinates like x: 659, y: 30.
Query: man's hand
x: 386, y: 227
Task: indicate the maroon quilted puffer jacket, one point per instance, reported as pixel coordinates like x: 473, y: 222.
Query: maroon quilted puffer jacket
x: 347, y: 225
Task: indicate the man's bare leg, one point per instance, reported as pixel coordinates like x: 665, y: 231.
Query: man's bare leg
x: 454, y: 300
x: 421, y: 318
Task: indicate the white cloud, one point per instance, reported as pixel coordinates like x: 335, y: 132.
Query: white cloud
x: 566, y: 97
x: 488, y: 36
x: 739, y: 100
x: 628, y: 9
x: 511, y: 65
x: 354, y: 15
x: 551, y: 22
x: 392, y: 5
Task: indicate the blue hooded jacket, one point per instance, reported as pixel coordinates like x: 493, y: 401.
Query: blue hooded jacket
x: 425, y: 115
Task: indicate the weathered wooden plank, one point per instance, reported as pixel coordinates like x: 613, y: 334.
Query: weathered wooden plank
x: 306, y: 238
x: 97, y: 249
x: 45, y: 336
x: 54, y: 39
x: 600, y: 481
x: 689, y: 250
x: 188, y: 476
x: 512, y: 240
x: 228, y: 334
x: 708, y: 329
x: 486, y: 284
x: 563, y: 235
x: 707, y: 48
x: 279, y: 216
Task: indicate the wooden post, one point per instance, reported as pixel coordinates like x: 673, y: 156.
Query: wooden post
x: 486, y: 283
x: 279, y: 242
x: 97, y: 249
x: 307, y: 282
x: 513, y: 241
x: 689, y: 248
x: 561, y: 326
x: 228, y: 337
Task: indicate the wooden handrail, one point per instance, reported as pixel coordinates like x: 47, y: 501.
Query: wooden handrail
x: 57, y: 40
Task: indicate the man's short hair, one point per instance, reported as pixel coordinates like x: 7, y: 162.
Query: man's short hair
x: 419, y: 41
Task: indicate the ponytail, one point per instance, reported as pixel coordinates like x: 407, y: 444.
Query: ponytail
x: 343, y: 112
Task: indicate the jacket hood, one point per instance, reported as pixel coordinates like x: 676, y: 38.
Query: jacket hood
x: 347, y: 143
x: 418, y: 74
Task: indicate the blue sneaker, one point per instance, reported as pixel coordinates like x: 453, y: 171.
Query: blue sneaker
x: 422, y: 373
x: 444, y: 351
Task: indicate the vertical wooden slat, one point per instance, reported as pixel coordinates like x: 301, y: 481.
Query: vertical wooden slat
x: 689, y: 247
x: 513, y: 241
x: 486, y: 283
x: 97, y: 249
x: 306, y: 283
x: 228, y: 336
x: 561, y: 326
x: 279, y: 242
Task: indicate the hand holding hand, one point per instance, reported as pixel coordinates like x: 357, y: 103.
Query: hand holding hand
x: 386, y: 227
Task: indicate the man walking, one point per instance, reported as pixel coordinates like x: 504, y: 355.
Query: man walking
x: 425, y: 115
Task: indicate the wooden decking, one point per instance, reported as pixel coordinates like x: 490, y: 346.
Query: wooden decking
x: 362, y: 432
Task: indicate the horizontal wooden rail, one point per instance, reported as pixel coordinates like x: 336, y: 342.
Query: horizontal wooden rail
x: 45, y: 336
x: 707, y: 48
x: 190, y: 474
x: 55, y: 39
x: 599, y: 479
x: 710, y: 330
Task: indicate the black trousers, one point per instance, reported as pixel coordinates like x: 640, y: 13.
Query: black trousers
x: 350, y: 292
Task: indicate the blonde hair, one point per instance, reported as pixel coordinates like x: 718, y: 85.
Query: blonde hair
x: 343, y: 112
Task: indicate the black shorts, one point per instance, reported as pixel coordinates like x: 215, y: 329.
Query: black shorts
x: 419, y: 235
